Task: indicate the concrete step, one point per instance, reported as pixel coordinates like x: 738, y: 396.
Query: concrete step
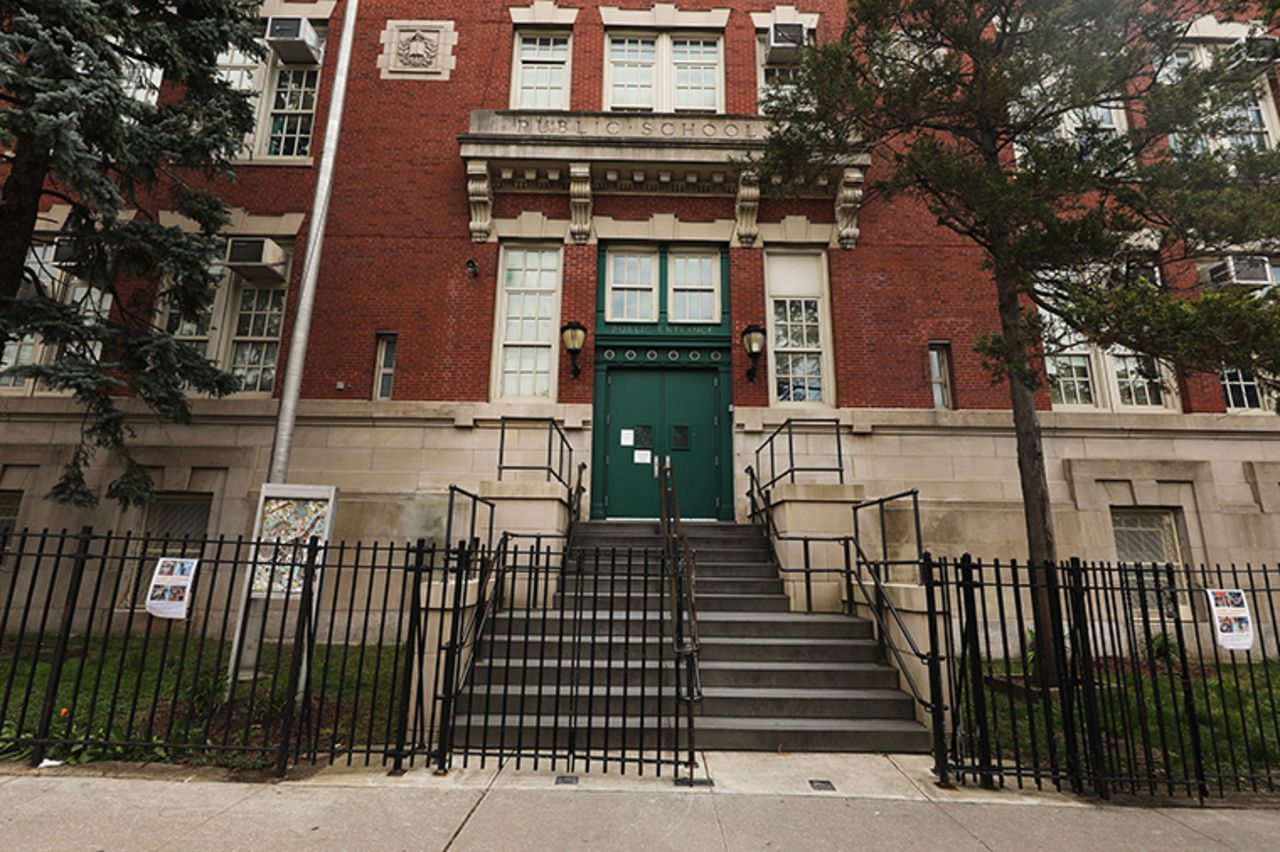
x: 620, y: 586
x: 781, y: 674
x: 549, y: 671
x: 655, y: 601
x: 870, y: 703
x: 802, y: 734
x: 639, y: 645
x: 711, y: 624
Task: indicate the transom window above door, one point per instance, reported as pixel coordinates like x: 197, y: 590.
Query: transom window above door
x: 664, y: 72
x: 675, y: 285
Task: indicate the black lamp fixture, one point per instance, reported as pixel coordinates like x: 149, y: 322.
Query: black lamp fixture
x: 473, y: 268
x: 753, y: 339
x: 574, y: 336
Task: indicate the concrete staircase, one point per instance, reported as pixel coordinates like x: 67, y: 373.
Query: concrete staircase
x: 772, y: 679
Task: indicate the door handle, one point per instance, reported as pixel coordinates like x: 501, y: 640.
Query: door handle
x: 655, y: 466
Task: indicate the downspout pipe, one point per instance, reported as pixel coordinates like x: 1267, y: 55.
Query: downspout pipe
x: 286, y: 418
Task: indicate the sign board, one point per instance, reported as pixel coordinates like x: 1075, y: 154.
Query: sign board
x: 169, y: 595
x: 1232, y: 622
x: 288, y: 517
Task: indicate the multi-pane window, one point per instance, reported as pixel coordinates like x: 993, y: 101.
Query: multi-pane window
x: 1251, y: 126
x: 385, y: 369
x: 697, y: 73
x: 542, y: 78
x: 1138, y: 380
x: 1241, y: 389
x: 194, y: 332
x: 244, y: 74
x: 293, y: 106
x: 530, y: 290
x: 1071, y: 379
x: 255, y: 346
x: 632, y: 69
x: 94, y: 306
x: 695, y: 291
x: 1148, y: 537
x: 633, y: 287
x: 175, y: 525
x: 664, y: 73
x: 940, y: 374
x: 16, y: 353
x: 797, y: 350
x: 10, y: 503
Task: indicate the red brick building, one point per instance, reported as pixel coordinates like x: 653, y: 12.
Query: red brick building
x: 507, y: 167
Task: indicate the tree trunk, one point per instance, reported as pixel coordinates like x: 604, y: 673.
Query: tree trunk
x: 19, y: 208
x: 1035, y: 484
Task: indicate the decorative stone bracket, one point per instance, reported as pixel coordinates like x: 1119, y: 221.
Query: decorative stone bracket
x: 580, y: 202
x: 848, y: 200
x: 747, y: 208
x: 480, y: 194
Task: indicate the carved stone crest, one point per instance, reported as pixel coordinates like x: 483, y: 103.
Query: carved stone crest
x: 418, y: 50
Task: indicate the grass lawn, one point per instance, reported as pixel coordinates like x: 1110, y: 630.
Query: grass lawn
x: 1145, y: 720
x: 136, y: 698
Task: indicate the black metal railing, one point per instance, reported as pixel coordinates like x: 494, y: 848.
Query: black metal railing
x: 557, y: 462
x: 782, y: 442
x: 681, y: 576
x: 469, y: 518
x: 1138, y: 696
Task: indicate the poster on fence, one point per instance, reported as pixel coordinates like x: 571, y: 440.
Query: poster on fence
x: 169, y: 595
x: 288, y: 517
x: 1232, y: 623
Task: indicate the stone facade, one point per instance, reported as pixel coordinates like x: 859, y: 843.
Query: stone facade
x: 437, y: 176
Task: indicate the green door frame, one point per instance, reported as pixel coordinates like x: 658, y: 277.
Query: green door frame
x: 660, y: 346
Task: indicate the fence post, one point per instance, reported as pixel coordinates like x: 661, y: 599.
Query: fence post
x: 937, y: 712
x: 1188, y: 698
x: 445, y: 746
x: 410, y: 656
x: 301, y: 649
x: 1066, y: 688
x: 60, y: 649
x: 1080, y: 644
x: 973, y: 650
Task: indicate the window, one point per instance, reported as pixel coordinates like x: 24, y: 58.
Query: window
x: 255, y: 346
x: 16, y: 353
x: 175, y: 524
x: 527, y: 312
x: 289, y: 110
x: 142, y: 82
x: 385, y: 368
x: 1137, y: 380
x: 10, y: 503
x: 797, y: 327
x: 632, y: 287
x: 1148, y: 536
x: 1071, y: 379
x: 293, y: 107
x: 1252, y: 125
x: 1241, y: 390
x: 542, y: 71
x: 664, y: 73
x: 1254, y: 119
x: 694, y: 288
x: 940, y: 374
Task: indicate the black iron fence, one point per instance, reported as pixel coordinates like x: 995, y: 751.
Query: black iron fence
x: 1137, y: 689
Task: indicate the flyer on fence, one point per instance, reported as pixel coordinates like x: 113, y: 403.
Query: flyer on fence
x: 1232, y: 623
x: 170, y: 592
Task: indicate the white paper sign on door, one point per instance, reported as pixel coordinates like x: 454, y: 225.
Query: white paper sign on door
x: 169, y: 595
x: 643, y: 456
x: 628, y: 437
x: 1232, y: 623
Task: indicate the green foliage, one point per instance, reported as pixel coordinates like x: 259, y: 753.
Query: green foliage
x: 71, y: 129
x: 1162, y: 648
x: 986, y: 113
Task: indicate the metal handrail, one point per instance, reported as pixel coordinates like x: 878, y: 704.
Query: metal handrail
x: 789, y: 472
x: 558, y: 452
x: 476, y: 501
x: 684, y: 606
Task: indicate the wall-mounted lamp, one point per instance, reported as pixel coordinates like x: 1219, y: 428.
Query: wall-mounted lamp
x: 753, y: 339
x: 574, y: 336
x: 473, y: 268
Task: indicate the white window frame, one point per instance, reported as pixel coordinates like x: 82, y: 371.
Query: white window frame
x: 1200, y: 56
x: 1105, y: 381
x: 715, y: 287
x: 941, y: 375
x: 265, y: 76
x: 664, y: 76
x: 654, y: 286
x: 1243, y: 381
x: 381, y: 370
x: 500, y: 326
x: 518, y: 67
x: 778, y: 290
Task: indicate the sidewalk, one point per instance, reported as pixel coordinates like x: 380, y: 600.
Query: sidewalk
x: 758, y: 801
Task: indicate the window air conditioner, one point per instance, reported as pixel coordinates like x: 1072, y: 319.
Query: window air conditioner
x: 62, y: 252
x: 294, y: 40
x: 1254, y: 51
x: 786, y: 41
x: 1238, y: 271
x: 258, y: 259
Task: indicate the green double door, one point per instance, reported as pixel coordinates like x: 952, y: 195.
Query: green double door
x: 653, y: 414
